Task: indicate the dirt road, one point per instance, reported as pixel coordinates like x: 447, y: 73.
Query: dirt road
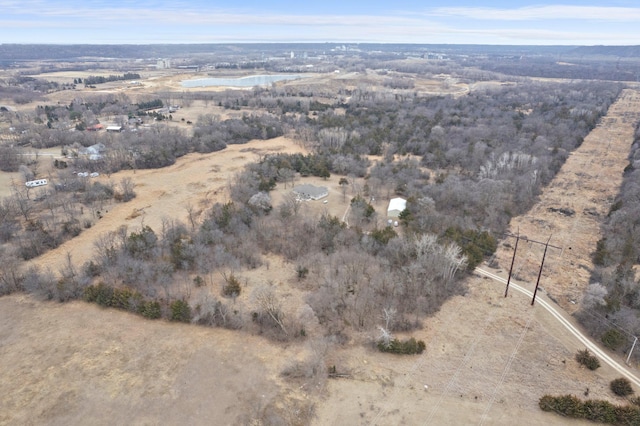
x: 568, y: 323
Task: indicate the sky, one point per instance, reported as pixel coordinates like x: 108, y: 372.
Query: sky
x: 515, y: 22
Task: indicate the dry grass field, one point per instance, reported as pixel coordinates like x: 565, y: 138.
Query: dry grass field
x: 488, y: 359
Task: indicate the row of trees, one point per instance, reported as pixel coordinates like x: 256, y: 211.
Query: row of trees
x: 99, y: 79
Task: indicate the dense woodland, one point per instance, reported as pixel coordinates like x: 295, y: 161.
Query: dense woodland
x: 466, y: 165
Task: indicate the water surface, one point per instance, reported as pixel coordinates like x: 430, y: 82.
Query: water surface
x: 248, y: 81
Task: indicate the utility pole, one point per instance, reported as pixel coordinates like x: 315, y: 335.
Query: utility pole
x: 635, y: 340
x: 546, y: 246
x: 513, y: 259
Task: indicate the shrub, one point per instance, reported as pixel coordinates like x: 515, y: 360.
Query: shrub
x: 600, y: 411
x: 92, y: 269
x: 302, y: 271
x: 406, y: 347
x: 621, y: 386
x: 627, y: 415
x: 635, y: 400
x: 232, y: 287
x: 100, y: 294
x: 567, y: 405
x: 180, y: 311
x: 585, y: 358
x: 150, y: 309
x: 613, y: 339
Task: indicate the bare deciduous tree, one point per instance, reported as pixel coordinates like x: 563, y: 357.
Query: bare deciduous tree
x: 269, y: 304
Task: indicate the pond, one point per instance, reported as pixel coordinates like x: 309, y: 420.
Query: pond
x: 248, y: 81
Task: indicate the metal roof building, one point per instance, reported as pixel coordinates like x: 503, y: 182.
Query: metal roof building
x: 396, y: 206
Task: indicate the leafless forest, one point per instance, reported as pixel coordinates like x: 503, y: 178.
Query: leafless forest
x: 466, y: 162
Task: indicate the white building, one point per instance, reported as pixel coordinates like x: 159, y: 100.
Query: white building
x: 396, y: 206
x: 162, y: 64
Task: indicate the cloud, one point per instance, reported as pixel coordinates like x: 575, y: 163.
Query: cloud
x: 559, y: 12
x: 144, y: 21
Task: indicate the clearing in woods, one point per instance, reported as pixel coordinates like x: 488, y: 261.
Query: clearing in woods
x: 488, y: 359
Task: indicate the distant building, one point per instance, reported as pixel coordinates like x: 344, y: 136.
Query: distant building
x: 310, y: 192
x: 37, y: 182
x: 396, y: 206
x: 94, y: 152
x: 114, y: 128
x: 162, y: 64
x: 95, y: 127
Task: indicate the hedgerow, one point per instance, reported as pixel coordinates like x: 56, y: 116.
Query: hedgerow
x: 593, y: 410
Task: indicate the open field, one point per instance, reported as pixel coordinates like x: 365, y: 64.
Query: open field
x: 79, y: 364
x: 195, y: 180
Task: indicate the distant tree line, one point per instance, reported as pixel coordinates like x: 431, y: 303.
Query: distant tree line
x: 99, y: 79
x: 156, y: 103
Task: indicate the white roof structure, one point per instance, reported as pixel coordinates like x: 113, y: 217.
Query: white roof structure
x: 396, y: 206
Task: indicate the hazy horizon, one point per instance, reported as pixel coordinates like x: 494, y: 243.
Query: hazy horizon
x: 571, y: 23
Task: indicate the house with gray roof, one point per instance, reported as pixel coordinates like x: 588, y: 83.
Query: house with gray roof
x: 310, y: 192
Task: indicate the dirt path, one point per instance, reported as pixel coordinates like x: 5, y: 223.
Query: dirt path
x: 585, y: 185
x: 195, y: 180
x: 570, y: 324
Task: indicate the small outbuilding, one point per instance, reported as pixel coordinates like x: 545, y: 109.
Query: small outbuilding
x: 310, y: 192
x: 396, y: 206
x: 95, y: 128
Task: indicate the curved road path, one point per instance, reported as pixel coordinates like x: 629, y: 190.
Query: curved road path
x: 561, y: 316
